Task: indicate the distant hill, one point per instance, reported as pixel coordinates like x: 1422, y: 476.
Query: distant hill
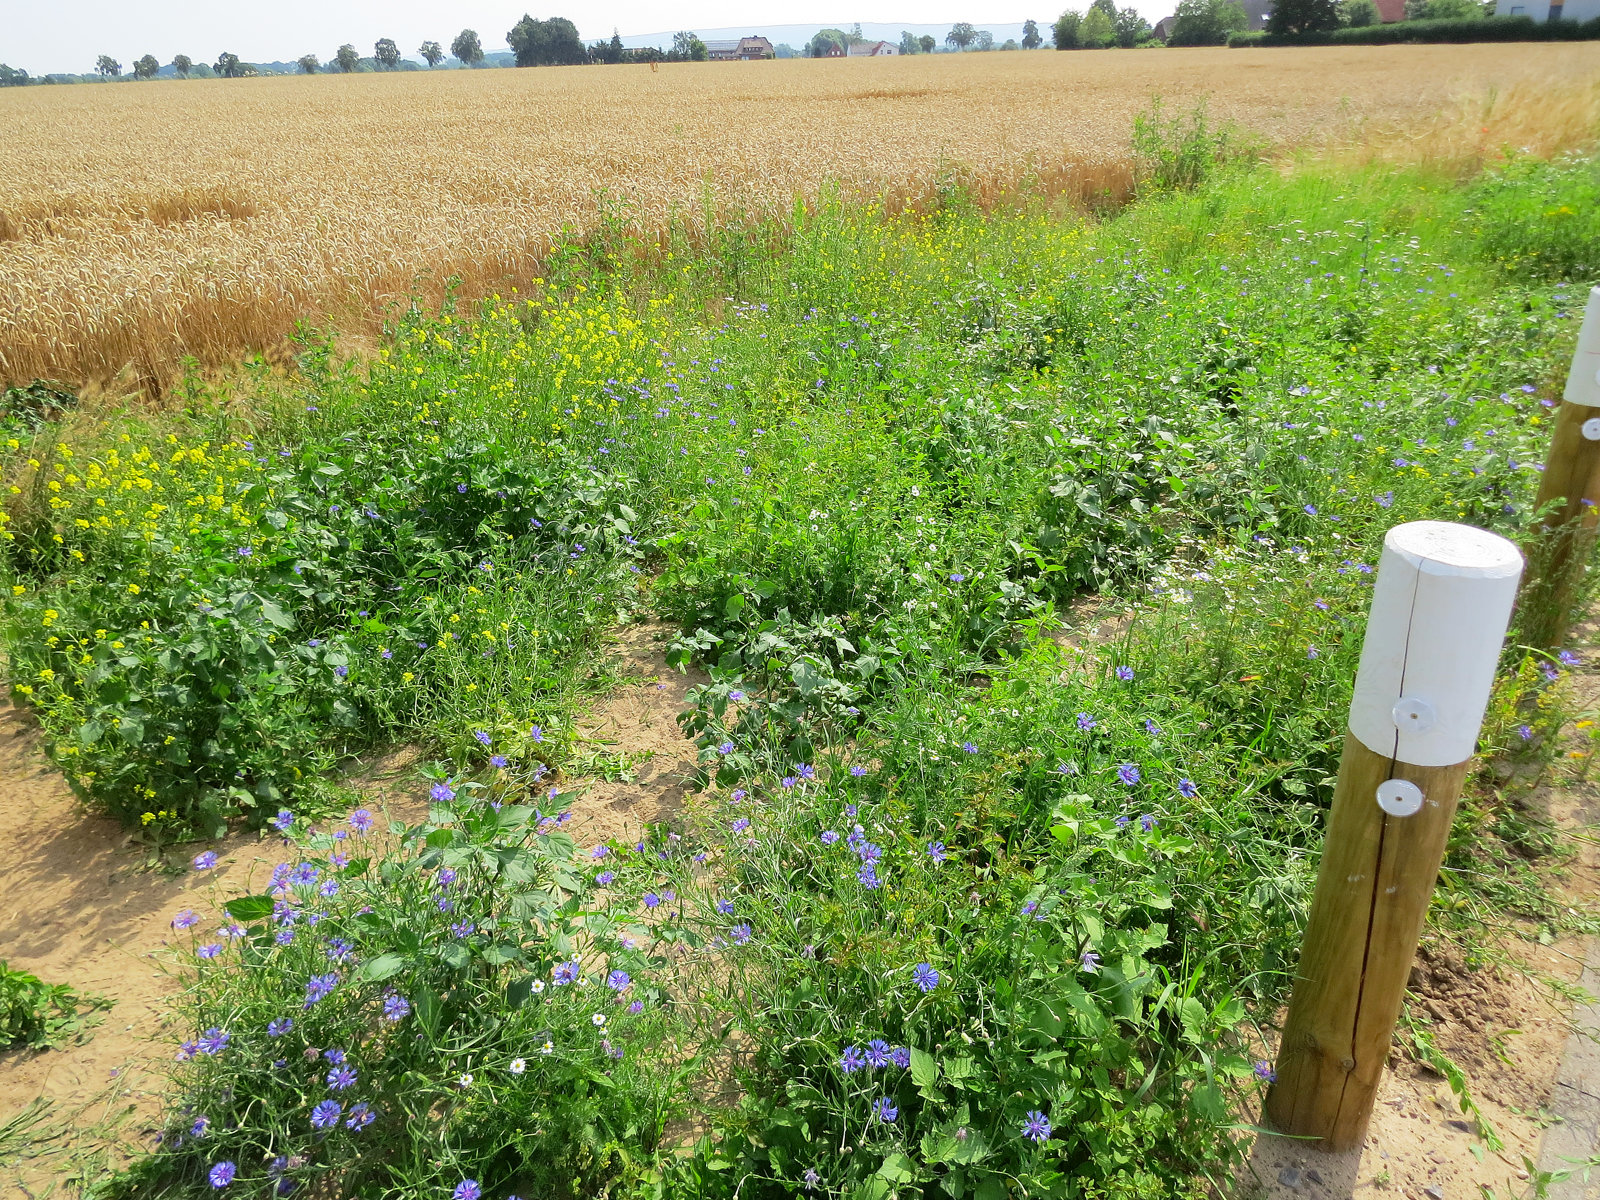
x: 798, y: 35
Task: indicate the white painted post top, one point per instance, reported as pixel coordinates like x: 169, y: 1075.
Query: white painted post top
x: 1440, y: 608
x: 1583, y: 380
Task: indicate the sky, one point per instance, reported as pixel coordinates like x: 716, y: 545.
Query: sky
x: 67, y: 35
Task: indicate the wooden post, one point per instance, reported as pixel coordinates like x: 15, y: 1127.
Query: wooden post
x: 1439, y: 613
x: 1571, y: 481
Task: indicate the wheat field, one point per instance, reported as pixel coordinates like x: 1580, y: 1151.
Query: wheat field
x: 142, y: 223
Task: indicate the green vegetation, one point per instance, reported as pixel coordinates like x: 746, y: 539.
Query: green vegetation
x: 35, y: 1015
x: 974, y: 900
x: 1449, y: 29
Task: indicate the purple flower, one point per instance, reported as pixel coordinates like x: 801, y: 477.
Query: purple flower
x: 1311, y: 510
x: 851, y: 1061
x: 185, y: 920
x: 276, y: 1029
x: 740, y: 825
x: 740, y: 933
x: 877, y: 1053
x: 361, y: 1115
x: 725, y: 748
x: 925, y: 977
x: 361, y: 820
x: 736, y: 696
x: 467, y: 1189
x: 618, y: 981
x: 497, y: 760
x: 462, y: 928
x: 222, y: 1173
x: 1187, y: 789
x: 868, y: 877
x: 341, y: 671
x: 564, y: 974
x: 724, y: 906
x: 1568, y: 658
x: 283, y: 822
x: 857, y: 771
x: 205, y: 861
x: 605, y: 877
x: 1385, y: 500
x: 811, y: 1178
x: 969, y: 747
x: 395, y: 1007
x: 1128, y: 774
x: 326, y: 1114
x: 213, y: 1041
x: 1265, y: 1073
x: 1090, y: 960
x: 1147, y: 822
x: 341, y: 1077
x: 1525, y: 732
x: 1036, y: 1126
x: 1124, y: 673
x: 829, y: 837
x: 738, y: 795
x: 210, y: 950
x: 651, y: 900
x: 636, y: 1007
x: 938, y: 853
x: 536, y: 734
x: 319, y: 986
x: 442, y: 792
x: 901, y: 1057
x: 883, y: 1108
x: 788, y: 781
x: 1085, y: 721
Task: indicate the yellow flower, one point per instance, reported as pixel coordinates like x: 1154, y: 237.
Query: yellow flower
x: 407, y: 677
x: 133, y: 589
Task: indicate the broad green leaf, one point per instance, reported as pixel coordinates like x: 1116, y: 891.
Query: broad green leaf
x: 385, y: 966
x: 924, y: 1072
x: 249, y: 908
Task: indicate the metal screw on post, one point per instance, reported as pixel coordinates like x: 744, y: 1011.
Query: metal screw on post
x: 1571, y: 481
x: 1439, y: 613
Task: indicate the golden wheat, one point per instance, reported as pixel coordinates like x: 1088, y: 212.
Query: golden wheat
x: 142, y: 223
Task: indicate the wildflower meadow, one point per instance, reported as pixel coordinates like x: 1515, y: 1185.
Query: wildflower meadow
x: 1026, y: 556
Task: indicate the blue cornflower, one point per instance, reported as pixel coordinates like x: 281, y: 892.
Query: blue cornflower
x: 1128, y: 774
x: 361, y: 820
x: 564, y: 973
x: 462, y: 928
x: 341, y: 671
x: 1568, y: 658
x: 395, y: 1007
x: 276, y: 1029
x: 618, y: 981
x: 467, y: 1189
x: 957, y: 577
x: 605, y: 877
x: 205, y: 861
x: 651, y: 900
x: 319, y: 986
x: 536, y: 734
x: 969, y: 747
x: 851, y: 1061
x: 877, y: 1053
x: 222, y: 1173
x: 483, y: 738
x: 883, y: 1108
x: 1265, y: 1073
x: 198, y: 1129
x: 900, y: 1057
x: 283, y: 822
x: 741, y: 933
x: 326, y: 1114
x: 788, y: 781
x: 341, y: 1077
x: 210, y: 950
x: 811, y: 1178
x: 937, y: 852
x: 1124, y: 673
x: 360, y: 1116
x: 185, y: 920
x: 1089, y: 961
x: 213, y: 1041
x: 442, y: 792
x: 740, y: 825
x: 1085, y: 721
x: 806, y: 770
x: 1385, y: 500
x: 1525, y: 732
x: 1187, y: 789
x: 1036, y: 1126
x: 1147, y: 822
x: 869, y: 852
x: 497, y: 760
x: 725, y: 748
x: 925, y: 977
x: 1311, y: 510
x: 868, y: 877
x: 304, y: 875
x: 724, y: 906
x: 334, y: 1055
x: 829, y: 837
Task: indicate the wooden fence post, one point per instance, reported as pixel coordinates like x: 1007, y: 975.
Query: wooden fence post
x: 1440, y: 607
x: 1571, y: 480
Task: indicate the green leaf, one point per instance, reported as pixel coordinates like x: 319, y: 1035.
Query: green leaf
x: 1207, y: 1101
x: 249, y: 908
x: 896, y: 1168
x: 276, y: 615
x: 990, y: 1189
x: 924, y: 1072
x: 958, y: 1069
x: 518, y: 991
x: 1192, y: 1015
x: 375, y: 970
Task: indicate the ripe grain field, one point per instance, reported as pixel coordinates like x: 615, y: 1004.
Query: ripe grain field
x: 139, y: 224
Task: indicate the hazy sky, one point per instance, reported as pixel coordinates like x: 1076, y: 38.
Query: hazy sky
x: 66, y: 35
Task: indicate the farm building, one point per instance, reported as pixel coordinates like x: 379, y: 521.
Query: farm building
x: 744, y: 49
x: 1549, y: 10
x: 873, y: 49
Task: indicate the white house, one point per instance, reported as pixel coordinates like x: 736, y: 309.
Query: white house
x: 879, y: 49
x: 1549, y: 10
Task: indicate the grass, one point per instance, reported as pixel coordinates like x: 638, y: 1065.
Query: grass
x: 35, y: 1015
x: 970, y: 901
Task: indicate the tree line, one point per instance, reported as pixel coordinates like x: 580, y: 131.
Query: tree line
x: 1211, y: 22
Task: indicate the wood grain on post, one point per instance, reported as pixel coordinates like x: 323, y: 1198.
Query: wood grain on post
x: 1571, y: 483
x: 1439, y: 614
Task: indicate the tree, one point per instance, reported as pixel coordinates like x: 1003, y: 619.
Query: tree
x: 1030, y: 35
x: 1303, y: 16
x: 228, y: 66
x: 13, y: 76
x: 985, y: 40
x: 927, y: 43
x: 1108, y: 7
x: 1359, y: 13
x: 146, y: 67
x: 823, y: 39
x: 309, y: 64
x: 386, y: 54
x: 1010, y: 44
x: 1097, y: 31
x: 467, y: 48
x: 432, y: 53
x: 1065, y: 32
x: 1131, y: 28
x: 908, y: 44
x: 182, y: 64
x: 347, y: 58
x: 1443, y: 10
x: 681, y: 41
x: 961, y: 35
x: 1206, y: 22
x: 614, y: 47
x: 108, y: 67
x: 548, y: 43
x: 698, y: 51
